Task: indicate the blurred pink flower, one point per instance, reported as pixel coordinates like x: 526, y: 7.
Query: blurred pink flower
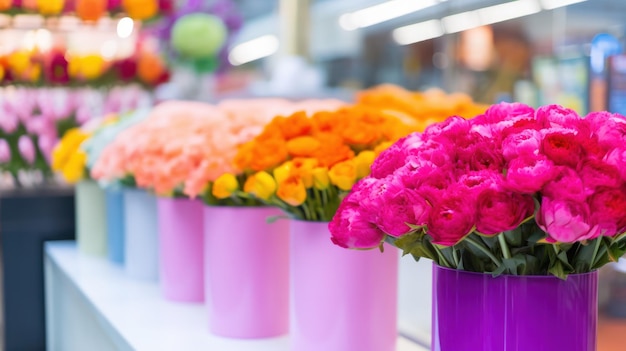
x: 5, y: 151
x: 27, y: 149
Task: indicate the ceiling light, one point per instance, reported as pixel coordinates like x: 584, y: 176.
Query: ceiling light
x: 383, y: 12
x: 254, y: 49
x: 461, y: 21
x: 418, y: 32
x: 553, y: 4
x: 508, y: 11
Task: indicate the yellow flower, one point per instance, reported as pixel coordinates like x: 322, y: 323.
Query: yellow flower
x: 282, y: 172
x: 261, y: 185
x: 74, y: 169
x: 68, y: 145
x: 303, y: 168
x: 382, y: 147
x: 86, y: 67
x: 50, y: 7
x: 1, y: 73
x: 224, y: 186
x: 343, y: 174
x: 320, y: 178
x: 292, y: 191
x: 364, y: 162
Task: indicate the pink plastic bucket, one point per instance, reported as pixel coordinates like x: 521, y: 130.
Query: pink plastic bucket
x: 181, y: 249
x: 343, y: 300
x: 246, y: 272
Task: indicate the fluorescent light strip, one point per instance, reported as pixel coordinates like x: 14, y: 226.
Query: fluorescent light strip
x: 418, y: 32
x: 508, y: 11
x: 553, y: 4
x: 383, y: 12
x: 254, y: 49
x: 461, y: 21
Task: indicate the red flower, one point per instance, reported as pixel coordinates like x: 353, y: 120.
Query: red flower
x: 127, y: 69
x: 56, y: 68
x: 562, y: 148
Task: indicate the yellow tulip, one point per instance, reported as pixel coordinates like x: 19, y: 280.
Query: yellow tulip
x: 19, y: 62
x: 320, y: 178
x: 68, y: 145
x: 303, y: 168
x: 382, y: 147
x: 75, y: 167
x: 282, y: 172
x: 92, y: 66
x: 224, y: 186
x: 364, y: 162
x: 292, y: 191
x: 261, y: 185
x: 343, y: 174
x: 1, y: 73
x: 50, y: 7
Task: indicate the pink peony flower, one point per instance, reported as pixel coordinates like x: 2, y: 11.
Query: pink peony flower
x: 5, y: 151
x: 349, y: 229
x: 498, y: 211
x: 609, y: 128
x: 504, y: 111
x: 485, y: 156
x: 595, y: 173
x: 451, y: 219
x: 452, y: 128
x: 617, y: 158
x: 388, y: 161
x: 27, y: 149
x: 405, y: 206
x: 562, y: 148
x: 609, y: 210
x: 525, y: 142
x: 567, y: 185
x: 557, y: 116
x: 565, y: 221
x: 528, y: 174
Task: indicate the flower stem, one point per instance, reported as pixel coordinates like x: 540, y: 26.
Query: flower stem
x: 505, y: 247
x: 595, y: 252
x: 455, y: 256
x: 484, y: 250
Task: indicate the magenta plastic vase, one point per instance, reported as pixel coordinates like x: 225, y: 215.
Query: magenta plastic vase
x: 246, y: 272
x: 181, y: 246
x: 476, y: 312
x: 343, y: 300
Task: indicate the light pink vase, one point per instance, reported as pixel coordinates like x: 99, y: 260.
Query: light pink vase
x: 181, y: 264
x: 246, y: 272
x: 343, y: 300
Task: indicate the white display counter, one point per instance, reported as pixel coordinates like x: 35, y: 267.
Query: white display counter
x: 92, y: 305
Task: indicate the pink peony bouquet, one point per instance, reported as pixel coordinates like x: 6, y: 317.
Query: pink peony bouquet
x: 512, y: 191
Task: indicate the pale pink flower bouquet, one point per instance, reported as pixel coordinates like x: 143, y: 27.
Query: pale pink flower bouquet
x: 183, y: 146
x: 514, y: 191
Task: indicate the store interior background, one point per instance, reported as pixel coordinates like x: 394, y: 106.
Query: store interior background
x: 539, y: 54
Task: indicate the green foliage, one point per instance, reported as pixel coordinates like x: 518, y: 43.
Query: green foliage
x: 522, y: 251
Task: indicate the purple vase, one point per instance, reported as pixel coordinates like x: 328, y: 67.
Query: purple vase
x: 474, y: 311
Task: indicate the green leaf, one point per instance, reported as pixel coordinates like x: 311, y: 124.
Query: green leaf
x: 557, y: 270
x: 273, y: 219
x: 415, y: 244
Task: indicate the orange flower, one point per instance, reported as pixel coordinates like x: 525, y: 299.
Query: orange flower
x: 295, y: 125
x: 303, y: 146
x: 5, y: 4
x: 141, y: 9
x: 90, y: 10
x: 332, y: 150
x: 292, y: 191
x: 150, y: 68
x: 268, y: 155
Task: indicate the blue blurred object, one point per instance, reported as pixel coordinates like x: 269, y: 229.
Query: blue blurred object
x: 115, y: 224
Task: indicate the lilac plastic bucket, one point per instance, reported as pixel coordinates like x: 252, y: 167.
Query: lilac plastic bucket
x: 246, y: 272
x: 141, y: 247
x: 474, y: 311
x: 343, y: 300
x: 181, y: 249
